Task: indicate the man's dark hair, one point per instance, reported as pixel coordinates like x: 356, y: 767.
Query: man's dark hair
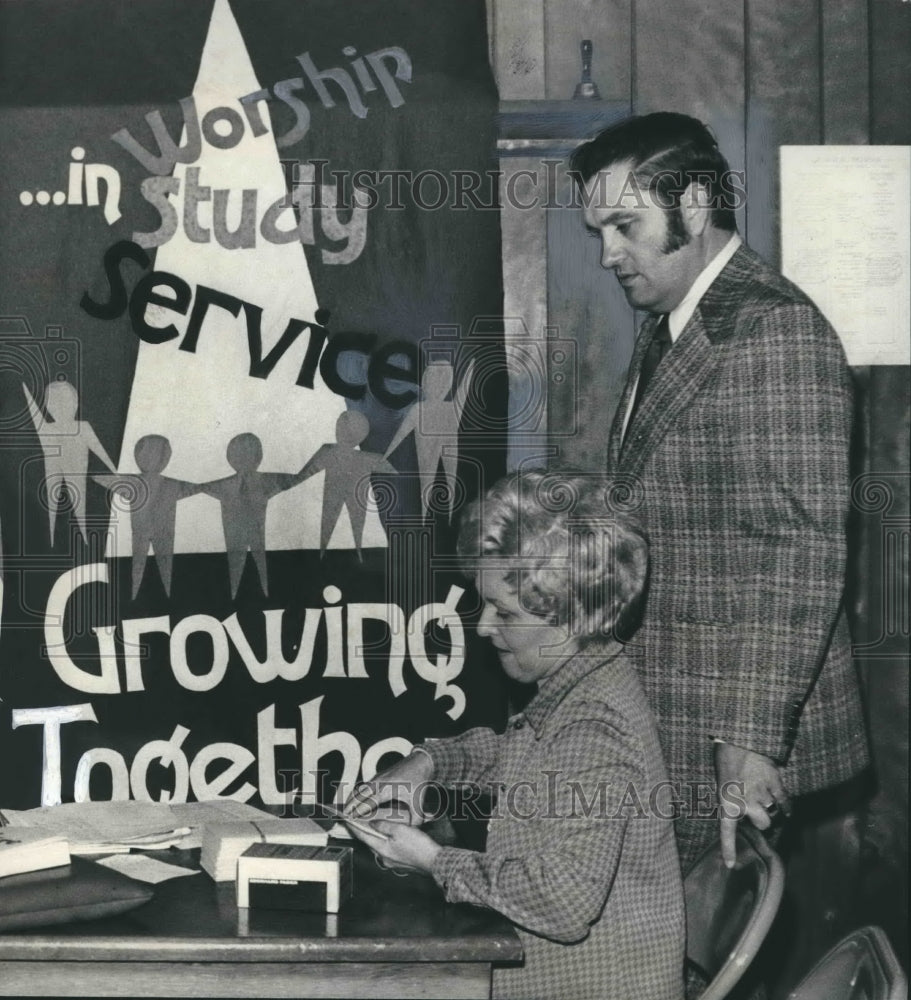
x: 668, y: 151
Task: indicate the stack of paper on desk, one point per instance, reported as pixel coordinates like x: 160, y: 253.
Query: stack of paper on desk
x: 23, y: 849
x: 118, y: 827
x: 223, y: 843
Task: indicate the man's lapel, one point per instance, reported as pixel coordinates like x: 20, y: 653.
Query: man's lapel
x: 672, y: 390
x: 685, y: 368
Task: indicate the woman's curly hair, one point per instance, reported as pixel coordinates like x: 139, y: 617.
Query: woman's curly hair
x: 567, y: 544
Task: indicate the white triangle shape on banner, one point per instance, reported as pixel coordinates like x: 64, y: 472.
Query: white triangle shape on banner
x: 199, y: 401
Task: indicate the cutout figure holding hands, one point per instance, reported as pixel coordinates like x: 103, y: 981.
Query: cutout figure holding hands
x: 152, y: 501
x: 346, y: 467
x: 244, y: 498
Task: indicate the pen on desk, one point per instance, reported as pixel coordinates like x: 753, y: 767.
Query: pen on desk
x: 157, y: 841
x: 162, y: 836
x: 143, y: 842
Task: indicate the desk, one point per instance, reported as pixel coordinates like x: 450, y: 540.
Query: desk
x: 396, y: 938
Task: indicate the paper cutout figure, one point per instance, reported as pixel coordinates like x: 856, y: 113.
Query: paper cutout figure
x: 66, y: 443
x: 434, y: 421
x: 152, y: 501
x: 346, y: 467
x: 244, y: 498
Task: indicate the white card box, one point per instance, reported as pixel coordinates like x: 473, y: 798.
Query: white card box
x: 223, y: 843
x: 293, y: 877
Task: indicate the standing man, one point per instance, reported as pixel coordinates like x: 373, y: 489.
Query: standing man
x: 734, y: 423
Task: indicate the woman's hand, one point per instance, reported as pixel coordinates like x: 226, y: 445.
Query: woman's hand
x: 398, y: 789
x: 405, y: 846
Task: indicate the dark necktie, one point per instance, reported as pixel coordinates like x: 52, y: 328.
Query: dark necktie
x: 661, y: 342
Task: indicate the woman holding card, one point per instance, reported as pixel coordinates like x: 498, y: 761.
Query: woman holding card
x: 580, y: 851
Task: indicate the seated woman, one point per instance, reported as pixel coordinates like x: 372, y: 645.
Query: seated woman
x: 580, y: 851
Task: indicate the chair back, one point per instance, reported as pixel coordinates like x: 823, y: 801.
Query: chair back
x: 729, y: 910
x: 862, y: 966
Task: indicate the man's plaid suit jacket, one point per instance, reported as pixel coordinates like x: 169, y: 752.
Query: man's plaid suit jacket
x: 739, y: 459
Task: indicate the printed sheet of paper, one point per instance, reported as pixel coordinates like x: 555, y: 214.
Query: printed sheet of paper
x: 145, y: 869
x: 846, y: 241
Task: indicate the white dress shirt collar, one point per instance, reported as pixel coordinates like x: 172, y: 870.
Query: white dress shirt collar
x: 680, y: 315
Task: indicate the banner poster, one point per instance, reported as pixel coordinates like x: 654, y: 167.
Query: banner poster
x: 251, y: 373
